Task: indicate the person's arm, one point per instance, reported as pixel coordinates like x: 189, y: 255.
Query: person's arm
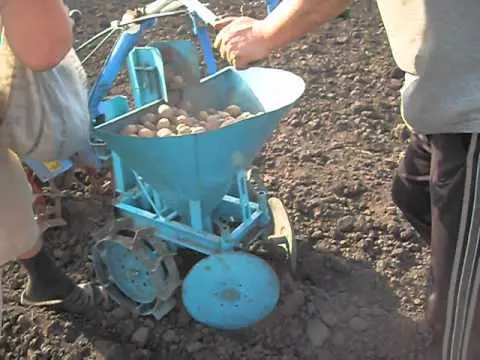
x: 293, y: 19
x: 39, y: 32
x: 244, y: 40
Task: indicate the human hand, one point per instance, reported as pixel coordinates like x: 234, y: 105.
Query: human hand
x: 241, y: 41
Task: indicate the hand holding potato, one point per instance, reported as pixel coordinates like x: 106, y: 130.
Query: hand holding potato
x: 240, y: 41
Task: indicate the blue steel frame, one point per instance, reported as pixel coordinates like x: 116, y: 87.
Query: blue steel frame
x: 135, y: 205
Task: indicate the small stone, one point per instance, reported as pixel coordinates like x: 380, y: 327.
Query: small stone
x: 338, y: 339
x: 330, y: 319
x: 23, y: 321
x: 126, y: 326
x: 346, y: 223
x: 194, y: 346
x: 119, y: 313
x: 140, y: 336
x: 358, y: 324
x: 116, y: 352
x: 317, y: 332
x: 74, y: 356
x: 54, y: 328
x: 169, y: 336
x: 293, y: 303
x: 341, y: 40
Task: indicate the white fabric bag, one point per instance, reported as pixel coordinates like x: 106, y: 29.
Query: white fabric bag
x: 43, y: 115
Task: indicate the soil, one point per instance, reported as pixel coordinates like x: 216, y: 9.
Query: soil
x: 360, y: 288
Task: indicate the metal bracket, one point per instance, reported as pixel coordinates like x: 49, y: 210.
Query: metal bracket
x: 47, y: 216
x: 282, y: 231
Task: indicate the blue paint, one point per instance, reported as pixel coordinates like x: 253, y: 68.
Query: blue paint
x: 271, y: 5
x: 184, y: 188
x: 126, y: 42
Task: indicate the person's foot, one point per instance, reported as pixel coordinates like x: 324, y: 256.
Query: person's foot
x: 49, y: 286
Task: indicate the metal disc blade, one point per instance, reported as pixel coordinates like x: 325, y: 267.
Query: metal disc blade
x: 231, y: 291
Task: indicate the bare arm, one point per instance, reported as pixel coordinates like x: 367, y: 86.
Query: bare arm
x: 292, y: 19
x: 39, y: 32
x: 244, y: 40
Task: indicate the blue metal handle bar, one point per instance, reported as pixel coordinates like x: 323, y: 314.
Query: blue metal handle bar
x: 113, y: 65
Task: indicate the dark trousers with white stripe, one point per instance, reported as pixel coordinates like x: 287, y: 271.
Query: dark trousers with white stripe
x: 437, y: 188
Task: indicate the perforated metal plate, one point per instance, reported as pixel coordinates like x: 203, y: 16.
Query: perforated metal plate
x: 129, y: 273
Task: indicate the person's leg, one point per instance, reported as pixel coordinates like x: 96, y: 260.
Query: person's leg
x: 455, y: 223
x: 20, y: 240
x: 411, y: 185
x: 428, y: 187
x: 18, y: 231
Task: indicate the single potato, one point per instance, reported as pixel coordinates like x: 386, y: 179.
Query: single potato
x: 183, y: 129
x: 213, y: 122
x: 148, y: 117
x: 165, y: 132
x: 130, y: 130
x: 224, y: 114
x: 228, y: 123
x: 244, y: 116
x: 233, y: 110
x: 147, y: 133
x: 203, y: 115
x: 185, y: 120
x: 198, y: 129
x: 181, y: 112
x: 163, y: 123
x: 166, y: 111
x: 150, y: 125
x: 186, y: 105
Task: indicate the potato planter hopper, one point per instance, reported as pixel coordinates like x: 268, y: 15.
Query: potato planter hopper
x: 196, y: 192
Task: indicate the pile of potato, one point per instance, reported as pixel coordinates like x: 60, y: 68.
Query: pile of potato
x: 175, y: 121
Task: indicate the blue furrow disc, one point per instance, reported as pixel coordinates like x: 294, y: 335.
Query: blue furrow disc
x: 231, y: 291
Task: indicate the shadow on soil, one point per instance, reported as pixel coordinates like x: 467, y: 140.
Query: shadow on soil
x: 332, y: 309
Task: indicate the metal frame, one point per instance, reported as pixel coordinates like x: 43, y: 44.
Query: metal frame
x: 158, y: 229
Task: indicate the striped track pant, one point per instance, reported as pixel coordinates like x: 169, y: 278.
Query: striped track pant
x: 437, y: 188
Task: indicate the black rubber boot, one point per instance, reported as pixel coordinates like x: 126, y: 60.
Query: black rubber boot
x: 45, y: 280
